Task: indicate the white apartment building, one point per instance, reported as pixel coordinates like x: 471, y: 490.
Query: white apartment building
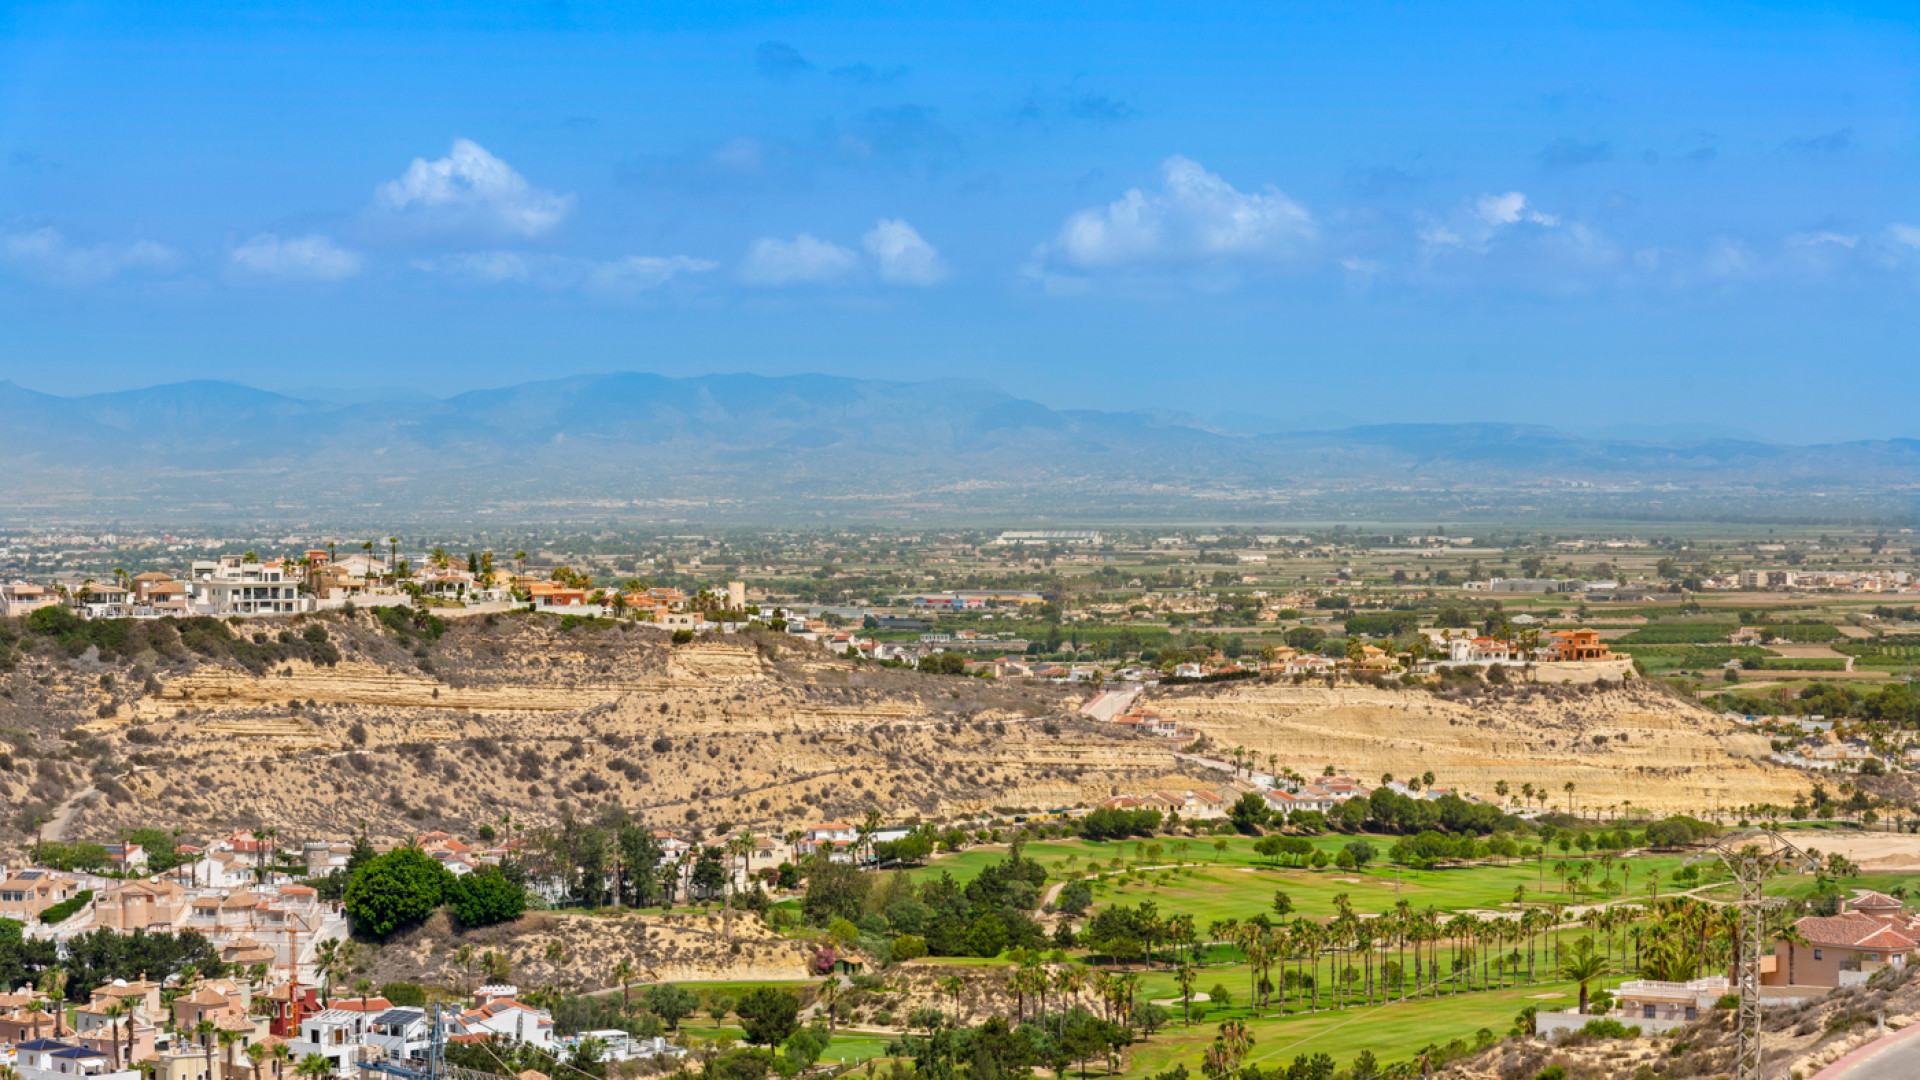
x: 232, y: 587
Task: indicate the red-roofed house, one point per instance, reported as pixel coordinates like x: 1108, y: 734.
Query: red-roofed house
x: 1869, y: 934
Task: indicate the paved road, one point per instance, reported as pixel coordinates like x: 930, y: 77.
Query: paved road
x: 1896, y: 1057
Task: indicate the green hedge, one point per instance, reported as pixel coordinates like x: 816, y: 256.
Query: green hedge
x: 64, y: 910
x: 1789, y: 663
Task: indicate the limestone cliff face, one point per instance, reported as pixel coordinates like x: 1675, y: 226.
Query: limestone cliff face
x: 1624, y: 745
x: 523, y: 719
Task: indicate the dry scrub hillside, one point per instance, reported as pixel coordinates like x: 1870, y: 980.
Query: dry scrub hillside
x: 1616, y: 742
x: 515, y: 715
x: 578, y: 953
x: 315, y: 725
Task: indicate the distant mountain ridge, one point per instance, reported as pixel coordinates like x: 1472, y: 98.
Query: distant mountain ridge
x: 816, y: 445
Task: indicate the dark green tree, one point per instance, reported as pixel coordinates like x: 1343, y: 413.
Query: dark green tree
x: 395, y: 890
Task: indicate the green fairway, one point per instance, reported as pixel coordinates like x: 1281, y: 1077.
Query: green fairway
x: 1394, y: 1032
x: 1211, y: 893
x: 1238, y: 883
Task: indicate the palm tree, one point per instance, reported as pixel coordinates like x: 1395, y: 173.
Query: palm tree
x: 204, y: 1032
x: 830, y: 993
x: 228, y: 1040
x: 328, y: 960
x: 256, y: 1053
x: 954, y: 986
x: 281, y: 1054
x: 1184, y: 975
x: 117, y: 1012
x: 464, y: 957
x: 1568, y: 788
x: 1791, y: 935
x: 1583, y: 966
x: 622, y: 974
x: 314, y: 1067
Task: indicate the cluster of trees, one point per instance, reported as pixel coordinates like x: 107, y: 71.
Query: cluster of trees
x: 1676, y: 831
x: 1897, y: 703
x: 891, y: 917
x: 1109, y: 823
x: 1386, y: 810
x: 95, y: 959
x: 997, y: 1050
x: 387, y: 893
x: 615, y: 860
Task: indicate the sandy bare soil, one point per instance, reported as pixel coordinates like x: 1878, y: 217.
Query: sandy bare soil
x: 1632, y: 743
x: 1881, y: 852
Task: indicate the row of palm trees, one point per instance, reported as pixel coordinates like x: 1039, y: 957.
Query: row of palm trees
x: 1354, y: 959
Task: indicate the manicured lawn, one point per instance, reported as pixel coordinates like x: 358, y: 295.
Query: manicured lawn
x: 1799, y: 886
x: 1393, y: 1032
x: 1239, y: 882
x: 1209, y: 893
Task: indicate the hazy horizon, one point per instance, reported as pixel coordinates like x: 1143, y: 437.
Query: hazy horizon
x: 1579, y: 217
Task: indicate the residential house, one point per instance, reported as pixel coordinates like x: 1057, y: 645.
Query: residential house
x: 1579, y: 645
x: 339, y: 1035
x: 20, y: 598
x: 141, y: 904
x: 548, y: 596
x: 97, y: 601
x: 1655, y: 1006
x: 52, y: 1059
x: 1871, y: 932
x: 1479, y: 650
x: 24, y: 894
x: 505, y: 1019
x: 232, y: 586
x: 25, y: 1016
x: 210, y: 1001
x: 403, y: 1033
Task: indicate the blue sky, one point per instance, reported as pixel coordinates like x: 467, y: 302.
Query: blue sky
x: 1578, y: 215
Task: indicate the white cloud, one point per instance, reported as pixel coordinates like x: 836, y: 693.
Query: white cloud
x: 315, y: 257
x: 623, y: 277
x: 1474, y: 227
x: 487, y: 267
x: 638, y: 273
x: 806, y: 260
x: 1905, y: 234
x: 1511, y: 209
x: 1822, y: 239
x: 47, y: 254
x: 1728, y: 257
x: 1195, y: 216
x: 904, y: 257
x: 470, y: 188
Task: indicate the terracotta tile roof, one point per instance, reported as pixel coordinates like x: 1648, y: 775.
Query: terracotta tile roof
x: 1852, y: 930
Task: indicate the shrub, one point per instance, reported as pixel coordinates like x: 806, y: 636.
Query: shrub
x: 907, y: 947
x: 1608, y: 1028
x: 484, y: 898
x: 64, y: 910
x: 402, y: 993
x: 395, y: 890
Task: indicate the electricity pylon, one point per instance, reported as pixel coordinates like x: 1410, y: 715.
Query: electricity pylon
x: 1752, y: 856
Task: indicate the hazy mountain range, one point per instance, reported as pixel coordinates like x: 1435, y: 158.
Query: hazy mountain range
x: 817, y: 447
